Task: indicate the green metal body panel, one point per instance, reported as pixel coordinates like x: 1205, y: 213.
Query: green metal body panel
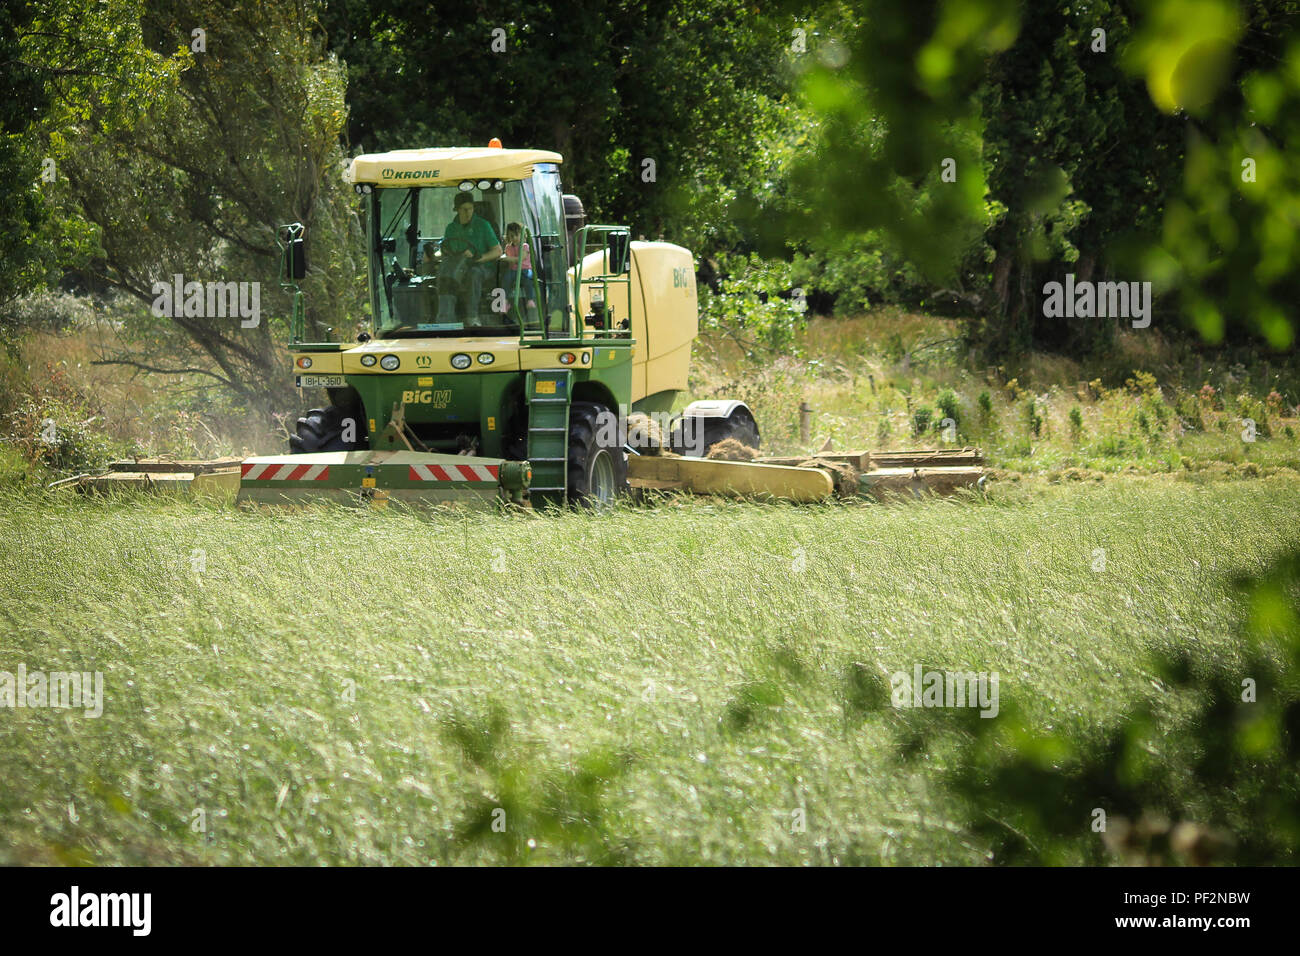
x: 467, y: 400
x: 485, y: 404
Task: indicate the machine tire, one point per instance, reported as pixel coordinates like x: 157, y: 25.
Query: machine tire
x: 739, y: 425
x: 597, y: 475
x: 321, y: 429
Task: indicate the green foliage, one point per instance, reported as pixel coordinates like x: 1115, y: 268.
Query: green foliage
x: 514, y: 800
x: 891, y: 85
x: 56, y: 426
x: 177, y: 160
x: 860, y: 272
x: 1225, y: 246
x: 697, y: 87
x: 1076, y: 423
x: 1059, y: 115
x: 883, y: 429
x: 24, y: 216
x: 921, y: 417
x: 1197, y: 203
x: 749, y: 307
x: 1033, y: 420
x: 949, y: 406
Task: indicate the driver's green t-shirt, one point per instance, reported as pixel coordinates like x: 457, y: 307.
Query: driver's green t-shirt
x: 478, y: 236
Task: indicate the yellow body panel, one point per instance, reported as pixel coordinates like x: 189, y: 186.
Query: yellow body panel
x: 322, y: 363
x: 707, y: 476
x: 433, y: 356
x: 664, y: 312
x: 445, y: 167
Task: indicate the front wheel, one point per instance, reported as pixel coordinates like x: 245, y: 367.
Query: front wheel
x: 324, y: 429
x: 597, y: 469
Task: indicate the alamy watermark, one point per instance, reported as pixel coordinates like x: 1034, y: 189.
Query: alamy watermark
x: 614, y: 431
x: 61, y: 690
x: 75, y: 908
x: 923, y: 688
x: 179, y: 299
x: 1089, y: 300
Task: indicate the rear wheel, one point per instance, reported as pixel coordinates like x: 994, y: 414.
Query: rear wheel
x: 597, y: 472
x: 739, y: 425
x: 322, y: 429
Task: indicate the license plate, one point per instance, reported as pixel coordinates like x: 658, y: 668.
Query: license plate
x: 321, y: 381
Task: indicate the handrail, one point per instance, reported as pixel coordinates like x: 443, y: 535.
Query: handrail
x: 581, y: 245
x: 291, y: 232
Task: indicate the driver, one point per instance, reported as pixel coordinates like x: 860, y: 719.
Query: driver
x: 469, y: 237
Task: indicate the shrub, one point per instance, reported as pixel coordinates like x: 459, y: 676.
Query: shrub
x: 54, y: 426
x: 949, y: 405
x: 859, y: 273
x: 921, y: 418
x: 749, y: 306
x: 1076, y: 422
x: 1033, y: 420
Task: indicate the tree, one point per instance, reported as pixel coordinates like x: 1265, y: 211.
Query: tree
x: 24, y: 218
x: 222, y: 124
x: 692, y: 87
x: 1062, y: 158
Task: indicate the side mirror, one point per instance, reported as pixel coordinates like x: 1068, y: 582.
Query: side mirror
x: 619, y: 245
x: 296, y: 256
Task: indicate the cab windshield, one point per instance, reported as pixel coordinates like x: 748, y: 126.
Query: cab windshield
x: 441, y: 267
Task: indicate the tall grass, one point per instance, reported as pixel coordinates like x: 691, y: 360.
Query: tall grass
x: 1148, y: 406
x: 658, y: 685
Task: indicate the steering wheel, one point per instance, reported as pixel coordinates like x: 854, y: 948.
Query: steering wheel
x: 456, y: 246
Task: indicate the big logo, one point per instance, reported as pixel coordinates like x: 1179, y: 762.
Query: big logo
x: 438, y: 398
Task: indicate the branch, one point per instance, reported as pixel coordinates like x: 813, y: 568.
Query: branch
x: 141, y: 366
x: 930, y: 345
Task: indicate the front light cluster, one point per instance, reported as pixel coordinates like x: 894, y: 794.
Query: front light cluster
x: 389, y: 362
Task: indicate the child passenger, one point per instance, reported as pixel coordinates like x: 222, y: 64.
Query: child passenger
x: 518, y: 260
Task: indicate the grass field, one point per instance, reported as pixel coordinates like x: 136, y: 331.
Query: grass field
x: 658, y: 685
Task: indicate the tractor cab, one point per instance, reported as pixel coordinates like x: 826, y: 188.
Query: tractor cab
x: 465, y: 242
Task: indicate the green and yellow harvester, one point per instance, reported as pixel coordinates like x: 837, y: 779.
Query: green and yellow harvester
x: 485, y: 374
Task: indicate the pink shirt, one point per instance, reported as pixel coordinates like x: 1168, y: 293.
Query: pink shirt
x: 513, y: 250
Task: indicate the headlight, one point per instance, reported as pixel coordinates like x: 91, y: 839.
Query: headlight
x: 460, y: 360
x: 486, y: 358
x: 304, y: 362
x: 485, y: 184
x: 368, y: 360
x: 568, y: 358
x: 389, y: 362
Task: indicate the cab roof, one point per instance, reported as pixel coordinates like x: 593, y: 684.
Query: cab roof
x: 445, y: 167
